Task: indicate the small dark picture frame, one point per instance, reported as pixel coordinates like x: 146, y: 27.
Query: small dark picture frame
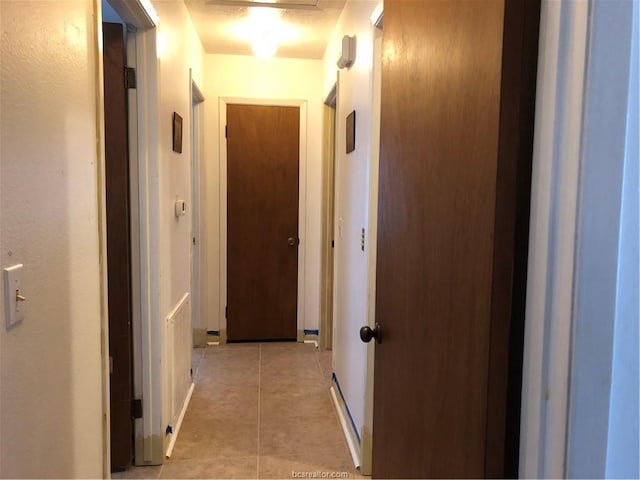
x: 351, y: 132
x: 177, y: 133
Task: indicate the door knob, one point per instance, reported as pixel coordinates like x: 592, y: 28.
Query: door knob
x: 292, y: 241
x: 367, y: 333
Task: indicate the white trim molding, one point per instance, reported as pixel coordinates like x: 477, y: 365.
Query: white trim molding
x: 579, y: 150
x: 557, y: 139
x: 139, y: 13
x: 144, y: 194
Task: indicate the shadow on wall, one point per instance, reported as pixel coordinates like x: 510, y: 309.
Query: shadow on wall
x: 48, y: 222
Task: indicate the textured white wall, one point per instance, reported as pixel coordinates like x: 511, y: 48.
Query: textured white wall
x: 279, y: 78
x: 178, y: 50
x: 51, y: 411
x: 352, y: 202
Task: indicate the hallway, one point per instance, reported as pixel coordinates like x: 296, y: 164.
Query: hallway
x: 258, y: 411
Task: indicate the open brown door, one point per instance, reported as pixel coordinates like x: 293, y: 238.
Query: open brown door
x: 456, y: 133
x: 118, y: 246
x: 262, y: 222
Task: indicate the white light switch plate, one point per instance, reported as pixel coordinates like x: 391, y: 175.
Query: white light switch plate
x: 13, y: 309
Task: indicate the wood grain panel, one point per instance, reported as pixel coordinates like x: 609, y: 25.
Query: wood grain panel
x: 118, y: 245
x: 438, y: 163
x: 262, y: 213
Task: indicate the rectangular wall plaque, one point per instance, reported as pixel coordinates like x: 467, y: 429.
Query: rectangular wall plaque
x: 351, y: 132
x: 177, y: 133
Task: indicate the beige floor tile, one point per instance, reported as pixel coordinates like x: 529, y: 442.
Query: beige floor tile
x: 293, y: 347
x: 206, y: 438
x: 234, y: 366
x: 296, y: 402
x: 139, y: 472
x: 260, y: 404
x: 307, y: 369
x: 240, y: 398
x: 238, y: 350
x: 311, y: 383
x: 226, y: 380
x: 218, y: 468
x: 300, y: 435
x: 271, y: 466
x: 324, y: 360
x: 208, y: 416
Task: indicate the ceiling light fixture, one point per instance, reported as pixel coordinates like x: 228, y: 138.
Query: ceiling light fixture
x: 264, y: 48
x: 264, y: 30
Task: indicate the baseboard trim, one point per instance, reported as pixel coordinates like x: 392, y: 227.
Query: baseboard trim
x: 176, y: 430
x: 346, y: 422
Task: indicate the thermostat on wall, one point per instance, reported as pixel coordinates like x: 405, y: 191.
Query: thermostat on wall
x: 181, y: 208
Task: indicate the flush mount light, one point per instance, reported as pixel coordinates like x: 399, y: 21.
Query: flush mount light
x: 264, y: 30
x: 264, y: 49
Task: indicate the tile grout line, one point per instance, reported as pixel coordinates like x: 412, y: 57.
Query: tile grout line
x: 200, y: 362
x: 316, y: 354
x: 259, y: 389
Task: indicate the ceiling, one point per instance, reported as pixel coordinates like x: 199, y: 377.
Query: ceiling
x: 308, y: 23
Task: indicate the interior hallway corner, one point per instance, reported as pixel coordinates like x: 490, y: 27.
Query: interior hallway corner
x: 258, y: 410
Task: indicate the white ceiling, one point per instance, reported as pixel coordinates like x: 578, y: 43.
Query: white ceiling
x: 313, y: 19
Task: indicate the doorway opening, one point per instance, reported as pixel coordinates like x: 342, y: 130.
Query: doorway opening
x: 328, y: 220
x: 139, y: 21
x: 118, y: 247
x: 197, y: 314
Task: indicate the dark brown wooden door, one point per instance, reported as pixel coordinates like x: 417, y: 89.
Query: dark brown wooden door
x: 456, y: 129
x: 118, y: 245
x: 262, y: 222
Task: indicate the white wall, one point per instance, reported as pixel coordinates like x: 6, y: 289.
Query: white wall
x: 601, y: 160
x: 623, y: 435
x: 352, y: 197
x: 51, y: 415
x: 236, y: 76
x: 179, y: 49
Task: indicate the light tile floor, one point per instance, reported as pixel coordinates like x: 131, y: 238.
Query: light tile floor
x: 257, y: 411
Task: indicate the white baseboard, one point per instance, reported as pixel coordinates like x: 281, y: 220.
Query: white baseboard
x: 345, y: 423
x: 174, y: 435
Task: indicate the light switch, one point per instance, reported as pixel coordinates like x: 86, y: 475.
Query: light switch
x: 181, y: 208
x: 13, y: 296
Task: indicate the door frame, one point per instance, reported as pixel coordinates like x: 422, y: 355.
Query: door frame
x: 302, y: 201
x: 197, y: 136
x: 141, y: 46
x: 372, y: 244
x: 552, y: 239
x: 328, y: 218
x: 572, y: 127
x: 119, y: 296
x: 147, y: 333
